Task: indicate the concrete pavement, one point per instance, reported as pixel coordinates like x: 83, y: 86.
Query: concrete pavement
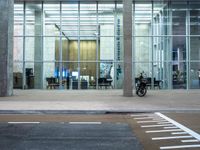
x: 101, y: 100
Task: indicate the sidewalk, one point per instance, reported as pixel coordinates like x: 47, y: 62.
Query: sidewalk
x: 101, y: 100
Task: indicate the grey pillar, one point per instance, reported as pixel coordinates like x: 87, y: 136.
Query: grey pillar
x: 127, y: 29
x: 38, y: 54
x: 6, y: 47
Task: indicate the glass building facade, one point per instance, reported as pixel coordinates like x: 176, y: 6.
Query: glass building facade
x: 78, y: 45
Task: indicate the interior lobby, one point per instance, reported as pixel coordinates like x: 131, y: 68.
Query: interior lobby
x: 80, y: 44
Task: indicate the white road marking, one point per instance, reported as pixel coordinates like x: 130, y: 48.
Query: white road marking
x: 163, y: 122
x: 157, y: 125
x: 178, y: 133
x: 173, y: 127
x: 180, y: 146
x: 140, y: 115
x: 188, y: 141
x: 171, y: 137
x: 85, y: 123
x: 149, y: 121
x: 143, y: 118
x: 23, y: 122
x: 189, y: 131
x: 160, y: 131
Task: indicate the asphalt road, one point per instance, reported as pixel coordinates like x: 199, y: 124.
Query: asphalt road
x: 58, y: 132
x: 149, y: 131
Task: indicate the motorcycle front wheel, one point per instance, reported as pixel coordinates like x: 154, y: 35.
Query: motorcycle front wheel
x: 141, y: 92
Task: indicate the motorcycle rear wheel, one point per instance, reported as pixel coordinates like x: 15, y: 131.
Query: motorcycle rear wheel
x: 141, y: 92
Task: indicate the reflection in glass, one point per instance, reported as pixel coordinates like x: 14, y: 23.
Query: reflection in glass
x: 195, y: 48
x: 195, y: 75
x: 179, y: 18
x: 179, y: 75
x: 194, y: 18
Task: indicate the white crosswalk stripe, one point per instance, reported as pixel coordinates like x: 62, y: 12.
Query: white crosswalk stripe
x: 158, y: 125
x: 189, y: 141
x: 180, y: 146
x: 178, y: 133
x: 159, y: 131
x: 166, y: 125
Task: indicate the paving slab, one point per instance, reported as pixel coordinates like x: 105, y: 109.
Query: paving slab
x: 105, y: 101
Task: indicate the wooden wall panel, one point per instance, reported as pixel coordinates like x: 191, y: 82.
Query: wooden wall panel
x: 87, y: 53
x: 65, y: 47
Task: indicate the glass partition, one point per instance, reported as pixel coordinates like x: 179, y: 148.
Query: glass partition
x: 72, y: 41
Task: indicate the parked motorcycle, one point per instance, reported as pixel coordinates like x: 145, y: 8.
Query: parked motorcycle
x: 141, y: 86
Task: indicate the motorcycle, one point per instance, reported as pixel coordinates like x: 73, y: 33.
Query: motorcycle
x: 141, y: 86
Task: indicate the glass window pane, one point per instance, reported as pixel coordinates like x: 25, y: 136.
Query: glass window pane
x: 65, y: 49
x: 88, y: 19
x: 66, y: 76
x: 52, y: 19
x: 18, y: 49
x: 33, y: 75
x: 194, y: 18
x: 70, y: 19
x: 29, y: 48
x: 143, y: 18
x: 107, y: 46
x: 195, y: 48
x: 18, y: 19
x: 143, y: 49
x: 158, y: 70
x: 17, y: 75
x: 51, y: 48
x: 106, y: 19
x: 87, y: 74
x: 118, y: 75
x: 179, y: 18
x: 73, y: 50
x: 179, y: 75
x: 33, y: 49
x: 158, y: 18
x: 179, y: 48
x: 88, y: 50
x: 33, y: 19
x: 50, y: 80
x: 195, y: 75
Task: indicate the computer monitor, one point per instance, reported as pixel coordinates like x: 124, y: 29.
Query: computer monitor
x: 74, y: 74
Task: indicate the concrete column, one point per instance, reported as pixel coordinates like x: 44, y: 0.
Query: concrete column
x: 6, y: 47
x: 38, y: 54
x: 127, y: 29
